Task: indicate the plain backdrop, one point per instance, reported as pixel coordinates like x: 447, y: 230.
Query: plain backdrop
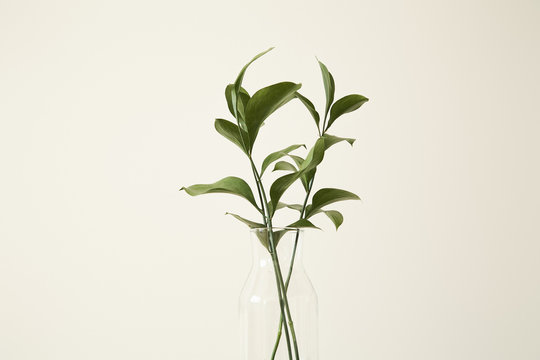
x: 107, y: 109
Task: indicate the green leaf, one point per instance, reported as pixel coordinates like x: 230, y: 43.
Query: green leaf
x: 262, y: 234
x: 328, y: 196
x: 345, y: 105
x: 281, y: 205
x: 251, y: 224
x: 297, y: 159
x: 335, y: 216
x: 243, y: 97
x: 311, y: 108
x: 314, y: 158
x: 240, y: 76
x: 330, y: 140
x: 264, y: 102
x: 284, y: 165
x: 230, y: 131
x: 229, y: 185
x: 302, y: 223
x: 279, y: 187
x: 329, y: 86
x: 235, y: 93
x: 296, y: 207
x: 278, y: 155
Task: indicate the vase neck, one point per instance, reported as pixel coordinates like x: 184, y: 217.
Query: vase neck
x: 288, y: 241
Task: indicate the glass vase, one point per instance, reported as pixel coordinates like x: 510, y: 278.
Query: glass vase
x: 260, y: 313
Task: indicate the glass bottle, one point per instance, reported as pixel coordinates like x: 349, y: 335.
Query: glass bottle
x: 259, y: 302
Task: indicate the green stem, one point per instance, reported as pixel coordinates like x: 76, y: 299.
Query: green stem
x: 278, y: 339
x: 283, y: 303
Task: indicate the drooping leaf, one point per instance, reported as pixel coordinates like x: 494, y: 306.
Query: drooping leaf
x: 311, y: 108
x: 264, y: 102
x: 278, y: 155
x: 335, y: 216
x: 229, y: 185
x: 328, y: 196
x: 303, y: 223
x: 251, y: 224
x: 285, y: 166
x: 329, y: 86
x: 230, y: 131
x: 330, y: 140
x: 262, y: 234
x: 345, y: 105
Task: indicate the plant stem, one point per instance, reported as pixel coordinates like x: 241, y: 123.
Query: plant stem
x: 278, y: 339
x: 283, y: 303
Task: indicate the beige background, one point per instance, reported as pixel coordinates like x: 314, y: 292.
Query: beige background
x: 107, y: 108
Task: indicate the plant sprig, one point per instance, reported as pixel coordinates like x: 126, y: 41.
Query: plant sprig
x: 250, y: 112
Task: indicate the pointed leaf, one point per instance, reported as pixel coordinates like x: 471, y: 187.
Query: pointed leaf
x: 230, y: 131
x: 284, y: 165
x: 264, y: 102
x: 296, y: 207
x: 251, y: 224
x: 243, y: 97
x: 314, y: 158
x: 345, y: 105
x: 328, y: 196
x: 329, y: 87
x: 335, y: 216
x: 278, y: 155
x: 229, y: 185
x: 308, y: 177
x: 262, y: 234
x: 297, y: 159
x: 303, y: 223
x: 240, y: 77
x: 330, y: 140
x: 311, y: 108
x: 281, y: 205
x: 305, y: 178
x: 279, y: 187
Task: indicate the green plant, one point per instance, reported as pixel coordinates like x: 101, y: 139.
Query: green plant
x: 250, y: 112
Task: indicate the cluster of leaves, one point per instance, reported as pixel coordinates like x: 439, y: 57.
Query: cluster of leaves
x: 250, y: 112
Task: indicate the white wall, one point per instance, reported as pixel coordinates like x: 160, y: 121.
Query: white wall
x: 107, y: 108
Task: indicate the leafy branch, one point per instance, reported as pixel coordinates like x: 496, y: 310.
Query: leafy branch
x: 250, y: 112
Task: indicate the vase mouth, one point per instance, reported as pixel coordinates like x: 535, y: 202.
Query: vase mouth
x: 276, y: 228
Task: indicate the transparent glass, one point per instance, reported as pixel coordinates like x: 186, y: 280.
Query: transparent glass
x: 259, y: 302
